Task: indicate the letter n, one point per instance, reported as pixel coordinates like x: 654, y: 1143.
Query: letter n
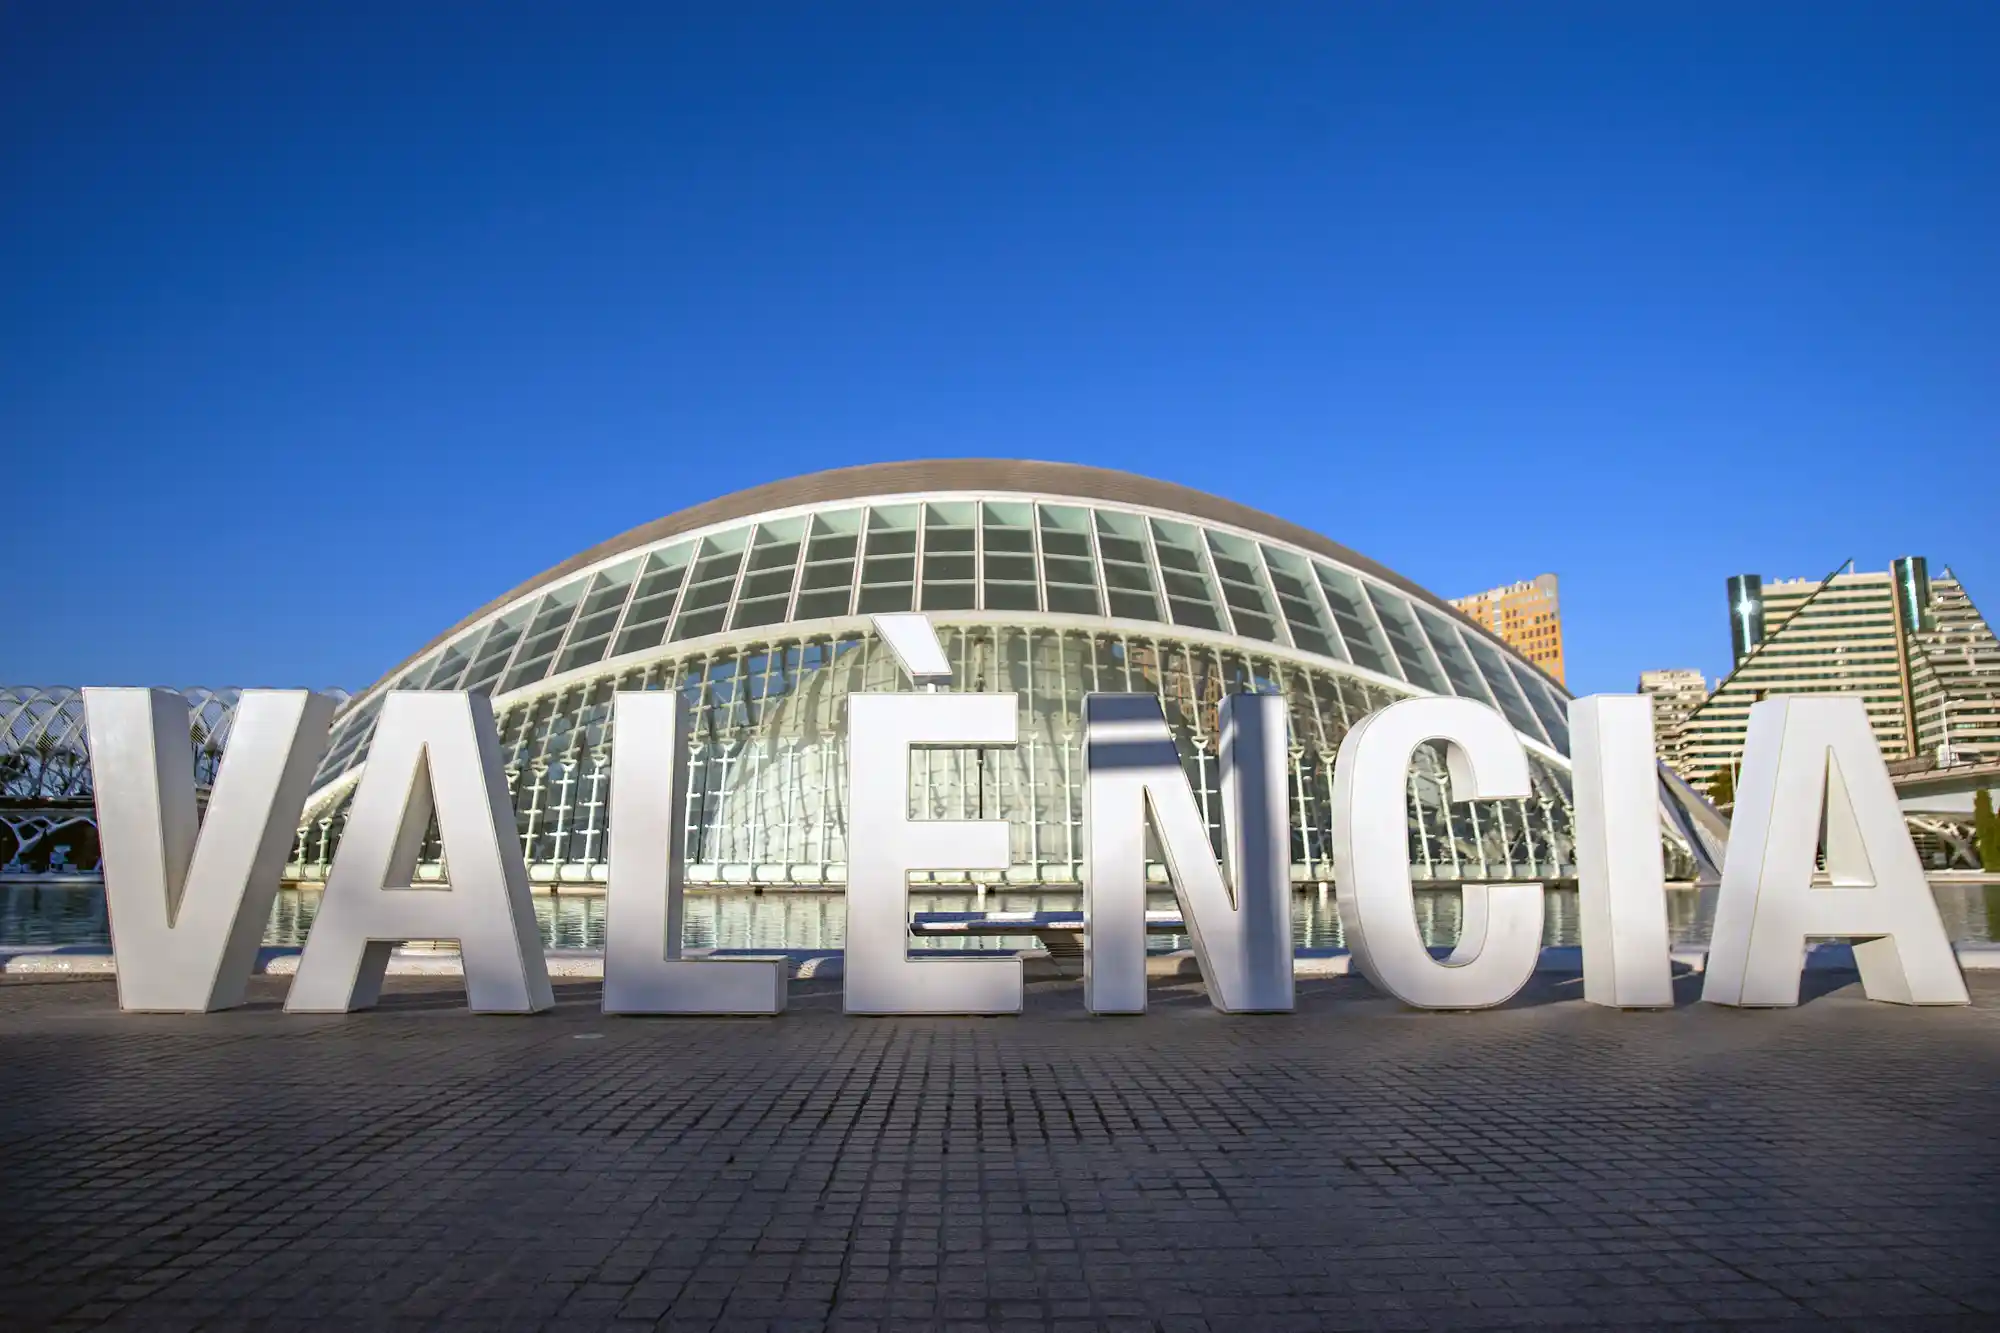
x: 1133, y: 775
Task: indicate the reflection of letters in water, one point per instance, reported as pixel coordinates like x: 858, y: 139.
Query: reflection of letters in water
x: 190, y: 893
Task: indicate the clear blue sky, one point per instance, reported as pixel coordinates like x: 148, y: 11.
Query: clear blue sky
x: 323, y: 324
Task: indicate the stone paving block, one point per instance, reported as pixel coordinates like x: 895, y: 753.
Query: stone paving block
x: 1353, y: 1165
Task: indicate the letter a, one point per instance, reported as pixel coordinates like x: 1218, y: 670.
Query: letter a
x: 1809, y: 762
x: 644, y: 972
x: 432, y: 750
x: 189, y: 897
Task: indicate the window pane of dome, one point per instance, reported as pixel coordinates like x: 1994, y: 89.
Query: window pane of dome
x: 452, y: 662
x: 1551, y: 710
x: 1191, y: 598
x: 1305, y: 614
x: 1358, y: 626
x: 950, y: 543
x: 948, y: 596
x: 545, y: 632
x: 825, y: 585
x: 1073, y: 601
x: 1008, y: 526
x: 766, y: 592
x: 497, y: 648
x: 1241, y: 573
x: 1128, y: 572
x: 1067, y: 569
x: 1420, y: 667
x: 1065, y: 531
x: 653, y: 599
x: 889, y: 567
x: 1007, y: 557
x: 710, y: 584
x: 358, y: 726
x: 590, y: 636
x: 1506, y: 692
x: 1444, y: 640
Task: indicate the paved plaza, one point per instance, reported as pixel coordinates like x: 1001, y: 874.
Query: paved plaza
x: 1354, y: 1165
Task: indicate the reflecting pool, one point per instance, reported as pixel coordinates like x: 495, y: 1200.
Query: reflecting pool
x: 794, y: 919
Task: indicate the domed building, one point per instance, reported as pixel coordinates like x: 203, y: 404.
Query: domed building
x: 1051, y: 580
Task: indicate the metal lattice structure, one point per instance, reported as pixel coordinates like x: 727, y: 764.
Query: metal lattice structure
x: 48, y: 829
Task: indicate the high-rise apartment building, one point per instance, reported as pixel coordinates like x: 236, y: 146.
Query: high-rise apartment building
x: 1526, y: 616
x: 1914, y: 647
x: 1676, y: 693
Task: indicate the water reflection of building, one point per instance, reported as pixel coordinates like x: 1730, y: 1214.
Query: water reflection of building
x: 1047, y: 580
x: 814, y: 920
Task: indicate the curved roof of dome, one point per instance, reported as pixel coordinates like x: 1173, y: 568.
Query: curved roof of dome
x: 989, y: 476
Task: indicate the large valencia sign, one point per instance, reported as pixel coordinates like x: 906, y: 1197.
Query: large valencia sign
x: 189, y: 895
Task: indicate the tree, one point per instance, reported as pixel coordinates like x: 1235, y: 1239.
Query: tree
x: 1722, y: 786
x: 1986, y: 830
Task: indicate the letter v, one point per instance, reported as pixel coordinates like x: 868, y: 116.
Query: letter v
x: 189, y: 895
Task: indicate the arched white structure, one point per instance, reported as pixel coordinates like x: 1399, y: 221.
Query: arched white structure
x: 1048, y: 579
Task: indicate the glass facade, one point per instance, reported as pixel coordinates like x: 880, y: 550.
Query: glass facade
x: 1034, y: 559
x: 760, y: 625
x: 768, y: 760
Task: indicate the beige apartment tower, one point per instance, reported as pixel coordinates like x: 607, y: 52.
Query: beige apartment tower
x: 1913, y: 646
x: 1525, y: 616
x: 1675, y: 693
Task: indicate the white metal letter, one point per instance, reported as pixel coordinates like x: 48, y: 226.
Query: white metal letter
x: 1502, y: 936
x: 1810, y: 763
x: 189, y: 896
x: 1133, y: 771
x: 1621, y: 879
x: 884, y: 845
x: 644, y: 972
x: 431, y: 751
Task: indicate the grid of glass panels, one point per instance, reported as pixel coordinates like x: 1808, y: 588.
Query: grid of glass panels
x: 826, y: 584
x: 1129, y: 585
x: 1413, y: 651
x: 1069, y: 573
x: 972, y: 555
x: 711, y: 583
x: 1191, y: 599
x: 889, y: 570
x: 1239, y: 569
x: 767, y: 767
x: 653, y: 600
x: 1306, y: 615
x: 951, y: 556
